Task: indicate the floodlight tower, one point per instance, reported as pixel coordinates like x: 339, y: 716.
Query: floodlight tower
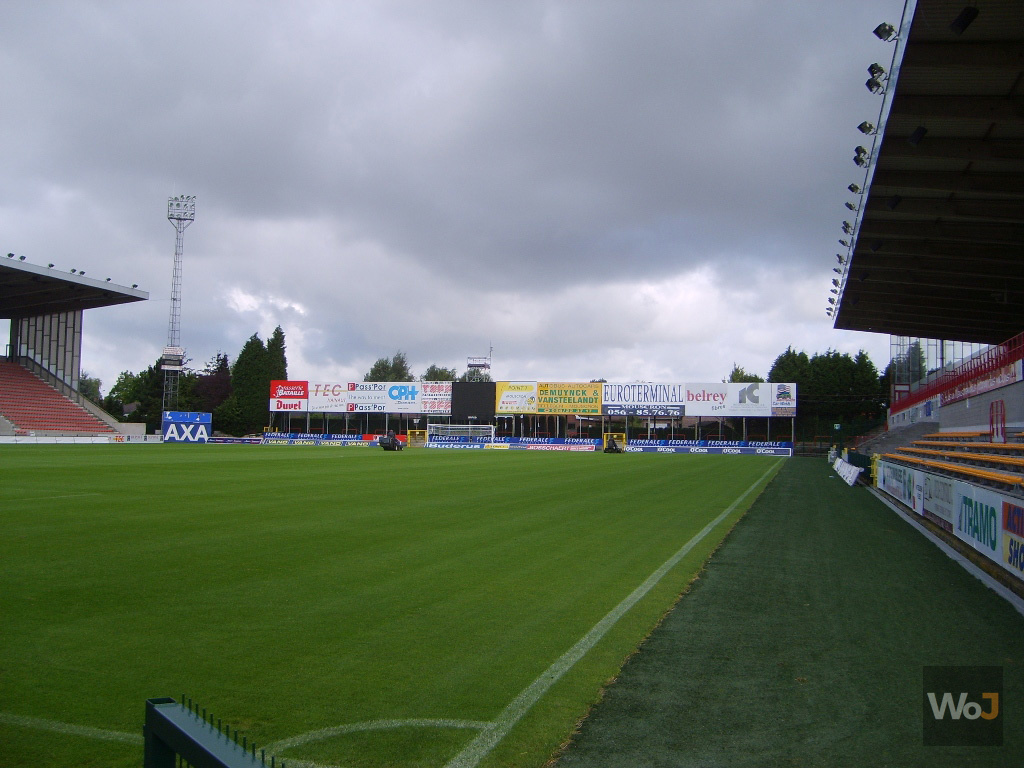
x: 181, y: 211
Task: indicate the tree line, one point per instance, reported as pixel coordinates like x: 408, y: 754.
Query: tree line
x: 237, y: 394
x: 831, y: 387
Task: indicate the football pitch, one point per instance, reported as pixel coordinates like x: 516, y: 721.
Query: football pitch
x: 339, y: 606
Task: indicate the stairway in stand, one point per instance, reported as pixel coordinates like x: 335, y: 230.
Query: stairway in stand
x: 31, y: 404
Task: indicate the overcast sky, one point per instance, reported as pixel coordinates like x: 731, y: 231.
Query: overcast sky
x: 630, y: 190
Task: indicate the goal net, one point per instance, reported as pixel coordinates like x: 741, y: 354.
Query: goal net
x: 460, y: 433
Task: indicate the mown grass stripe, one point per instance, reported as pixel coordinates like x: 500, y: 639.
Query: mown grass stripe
x: 492, y: 735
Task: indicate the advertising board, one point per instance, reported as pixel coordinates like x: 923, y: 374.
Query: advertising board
x: 565, y: 397
x: 643, y: 399
x: 729, y: 399
x: 515, y: 397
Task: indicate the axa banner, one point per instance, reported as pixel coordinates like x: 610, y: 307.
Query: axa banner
x: 562, y: 397
x: 643, y: 399
x: 515, y: 397
x: 186, y: 426
x: 728, y: 399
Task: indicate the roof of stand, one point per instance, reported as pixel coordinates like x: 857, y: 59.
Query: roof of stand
x: 28, y: 290
x: 940, y: 247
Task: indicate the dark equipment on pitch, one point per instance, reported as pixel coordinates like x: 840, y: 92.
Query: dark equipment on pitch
x: 611, y: 446
x: 390, y: 443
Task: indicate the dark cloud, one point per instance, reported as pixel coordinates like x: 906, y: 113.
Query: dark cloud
x: 348, y: 154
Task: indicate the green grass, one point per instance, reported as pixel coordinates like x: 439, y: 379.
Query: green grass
x: 292, y: 589
x: 803, y: 644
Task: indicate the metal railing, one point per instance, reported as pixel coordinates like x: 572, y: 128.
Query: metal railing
x: 977, y: 367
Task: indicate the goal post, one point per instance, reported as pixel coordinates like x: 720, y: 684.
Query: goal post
x: 460, y: 433
x: 614, y: 442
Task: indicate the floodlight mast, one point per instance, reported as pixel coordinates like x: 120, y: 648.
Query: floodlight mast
x: 181, y: 211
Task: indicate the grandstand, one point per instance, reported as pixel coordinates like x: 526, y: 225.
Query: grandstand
x: 41, y: 368
x: 935, y: 260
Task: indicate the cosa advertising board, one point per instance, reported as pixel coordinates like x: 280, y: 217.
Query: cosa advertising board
x: 728, y: 399
x: 515, y: 397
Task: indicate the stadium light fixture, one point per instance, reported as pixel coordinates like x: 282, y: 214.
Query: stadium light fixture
x: 851, y: 206
x: 21, y: 258
x: 847, y: 227
x: 108, y: 279
x: 10, y: 255
x: 835, y: 282
x: 867, y: 128
x: 135, y: 285
x: 837, y: 270
x: 963, y: 20
x: 843, y: 242
x: 840, y: 259
x: 855, y: 189
x: 885, y: 32
x: 831, y: 301
x: 50, y: 265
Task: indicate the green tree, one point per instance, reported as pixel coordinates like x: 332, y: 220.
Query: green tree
x: 138, y: 397
x: 89, y: 386
x: 740, y: 376
x: 277, y: 362
x: 438, y: 373
x: 213, y: 385
x: 475, y: 374
x: 395, y: 368
x: 250, y: 385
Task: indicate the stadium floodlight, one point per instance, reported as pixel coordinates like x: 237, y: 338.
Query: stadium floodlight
x: 847, y: 227
x: 850, y: 205
x: 837, y: 270
x: 21, y: 258
x: 835, y: 282
x: 844, y: 242
x: 831, y: 301
x: 866, y: 128
x: 840, y: 259
x: 10, y: 255
x: 861, y: 160
x: 50, y: 265
x: 963, y: 20
x: 855, y: 189
x: 885, y: 32
x: 876, y: 70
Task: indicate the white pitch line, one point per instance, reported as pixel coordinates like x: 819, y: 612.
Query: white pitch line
x: 40, y: 724
x: 490, y: 736
x: 371, y: 725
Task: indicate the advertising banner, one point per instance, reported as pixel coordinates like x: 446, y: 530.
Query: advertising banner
x: 901, y: 483
x: 1013, y: 536
x: 643, y: 399
x: 515, y: 397
x: 996, y: 379
x: 562, y: 397
x: 939, y: 500
x: 289, y: 395
x: 978, y: 519
x: 727, y: 399
x: 437, y: 397
x: 186, y: 426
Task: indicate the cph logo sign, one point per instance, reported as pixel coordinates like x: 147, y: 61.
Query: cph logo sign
x: 403, y: 392
x: 961, y: 706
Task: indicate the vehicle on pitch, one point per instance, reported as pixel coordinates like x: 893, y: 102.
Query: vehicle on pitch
x: 390, y: 442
